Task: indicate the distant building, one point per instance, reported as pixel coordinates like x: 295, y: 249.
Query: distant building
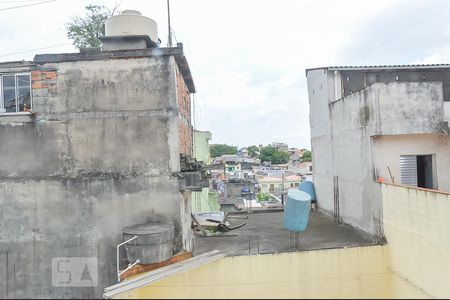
x: 296, y: 154
x: 243, y: 152
x: 280, y: 147
x: 269, y: 184
x: 201, y: 146
x: 300, y: 168
x: 381, y: 122
x: 203, y: 201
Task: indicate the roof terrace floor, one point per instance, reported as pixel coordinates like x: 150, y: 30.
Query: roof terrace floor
x: 264, y: 233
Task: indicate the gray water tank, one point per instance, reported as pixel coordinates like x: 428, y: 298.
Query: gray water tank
x: 154, y: 242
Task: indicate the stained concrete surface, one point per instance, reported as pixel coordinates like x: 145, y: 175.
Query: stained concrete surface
x: 264, y: 233
x: 98, y: 155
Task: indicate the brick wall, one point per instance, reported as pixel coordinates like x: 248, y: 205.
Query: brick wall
x: 184, y: 118
x: 44, y: 80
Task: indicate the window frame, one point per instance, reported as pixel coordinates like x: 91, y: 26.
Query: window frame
x: 403, y: 180
x: 16, y: 92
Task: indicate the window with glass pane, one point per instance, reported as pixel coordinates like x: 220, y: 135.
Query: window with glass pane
x: 15, y: 93
x: 24, y: 92
x: 9, y: 94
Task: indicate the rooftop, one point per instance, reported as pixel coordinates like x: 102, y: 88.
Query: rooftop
x: 383, y: 67
x: 177, y: 52
x: 264, y: 233
x: 279, y: 179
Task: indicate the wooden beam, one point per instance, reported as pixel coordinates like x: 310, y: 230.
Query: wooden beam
x: 139, y: 269
x: 164, y: 272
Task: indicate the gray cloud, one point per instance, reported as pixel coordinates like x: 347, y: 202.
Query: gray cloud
x: 404, y: 32
x: 248, y: 57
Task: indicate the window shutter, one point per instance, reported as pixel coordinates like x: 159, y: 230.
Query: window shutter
x: 408, y: 170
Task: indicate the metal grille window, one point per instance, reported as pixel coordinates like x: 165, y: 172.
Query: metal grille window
x: 15, y: 93
x: 418, y: 171
x: 408, y: 170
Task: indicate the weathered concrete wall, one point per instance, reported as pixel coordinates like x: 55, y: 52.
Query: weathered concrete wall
x: 99, y: 155
x: 417, y: 227
x: 352, y: 160
x: 388, y: 150
x: 341, y: 133
x: 321, y: 142
x: 43, y: 219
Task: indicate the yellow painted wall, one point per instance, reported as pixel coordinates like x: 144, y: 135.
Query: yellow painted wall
x: 417, y: 228
x: 414, y: 264
x: 339, y: 273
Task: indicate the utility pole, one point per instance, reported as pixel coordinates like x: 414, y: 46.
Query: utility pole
x: 170, y: 30
x: 282, y: 187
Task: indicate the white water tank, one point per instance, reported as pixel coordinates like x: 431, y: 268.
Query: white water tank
x: 131, y: 22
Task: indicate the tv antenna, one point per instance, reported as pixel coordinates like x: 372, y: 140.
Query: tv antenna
x: 169, y: 44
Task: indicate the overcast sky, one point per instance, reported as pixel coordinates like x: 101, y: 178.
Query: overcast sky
x: 248, y: 57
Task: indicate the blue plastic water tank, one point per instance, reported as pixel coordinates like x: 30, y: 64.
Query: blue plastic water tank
x: 308, y: 187
x: 296, y: 210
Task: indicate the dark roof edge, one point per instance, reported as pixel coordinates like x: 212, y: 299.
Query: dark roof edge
x: 382, y: 67
x: 177, y: 52
x: 103, y: 55
x: 148, y: 41
x: 183, y: 66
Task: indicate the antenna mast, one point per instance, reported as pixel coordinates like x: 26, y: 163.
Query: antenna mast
x: 168, y: 18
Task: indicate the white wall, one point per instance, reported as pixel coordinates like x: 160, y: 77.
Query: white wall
x: 321, y: 144
x: 389, y: 148
x: 447, y: 111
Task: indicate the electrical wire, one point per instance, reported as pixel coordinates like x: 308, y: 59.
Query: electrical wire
x: 25, y: 5
x: 17, y: 1
x: 32, y: 50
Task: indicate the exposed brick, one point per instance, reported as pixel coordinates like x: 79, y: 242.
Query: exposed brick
x: 49, y: 75
x: 35, y: 75
x: 184, y: 121
x: 38, y: 85
x: 185, y: 132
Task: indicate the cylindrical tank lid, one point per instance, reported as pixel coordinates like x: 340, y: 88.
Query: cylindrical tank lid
x: 296, y: 194
x: 131, y: 12
x: 148, y: 228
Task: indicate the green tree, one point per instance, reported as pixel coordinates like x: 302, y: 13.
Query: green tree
x: 253, y: 151
x: 307, y: 156
x: 262, y: 197
x: 269, y: 153
x: 85, y: 31
x: 217, y: 150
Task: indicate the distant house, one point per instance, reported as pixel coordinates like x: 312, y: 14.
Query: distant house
x: 280, y: 147
x: 295, y: 154
x: 269, y: 184
x: 201, y: 145
x: 203, y: 201
x: 301, y: 168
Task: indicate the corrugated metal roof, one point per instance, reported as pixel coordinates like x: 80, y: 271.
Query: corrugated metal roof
x: 382, y: 67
